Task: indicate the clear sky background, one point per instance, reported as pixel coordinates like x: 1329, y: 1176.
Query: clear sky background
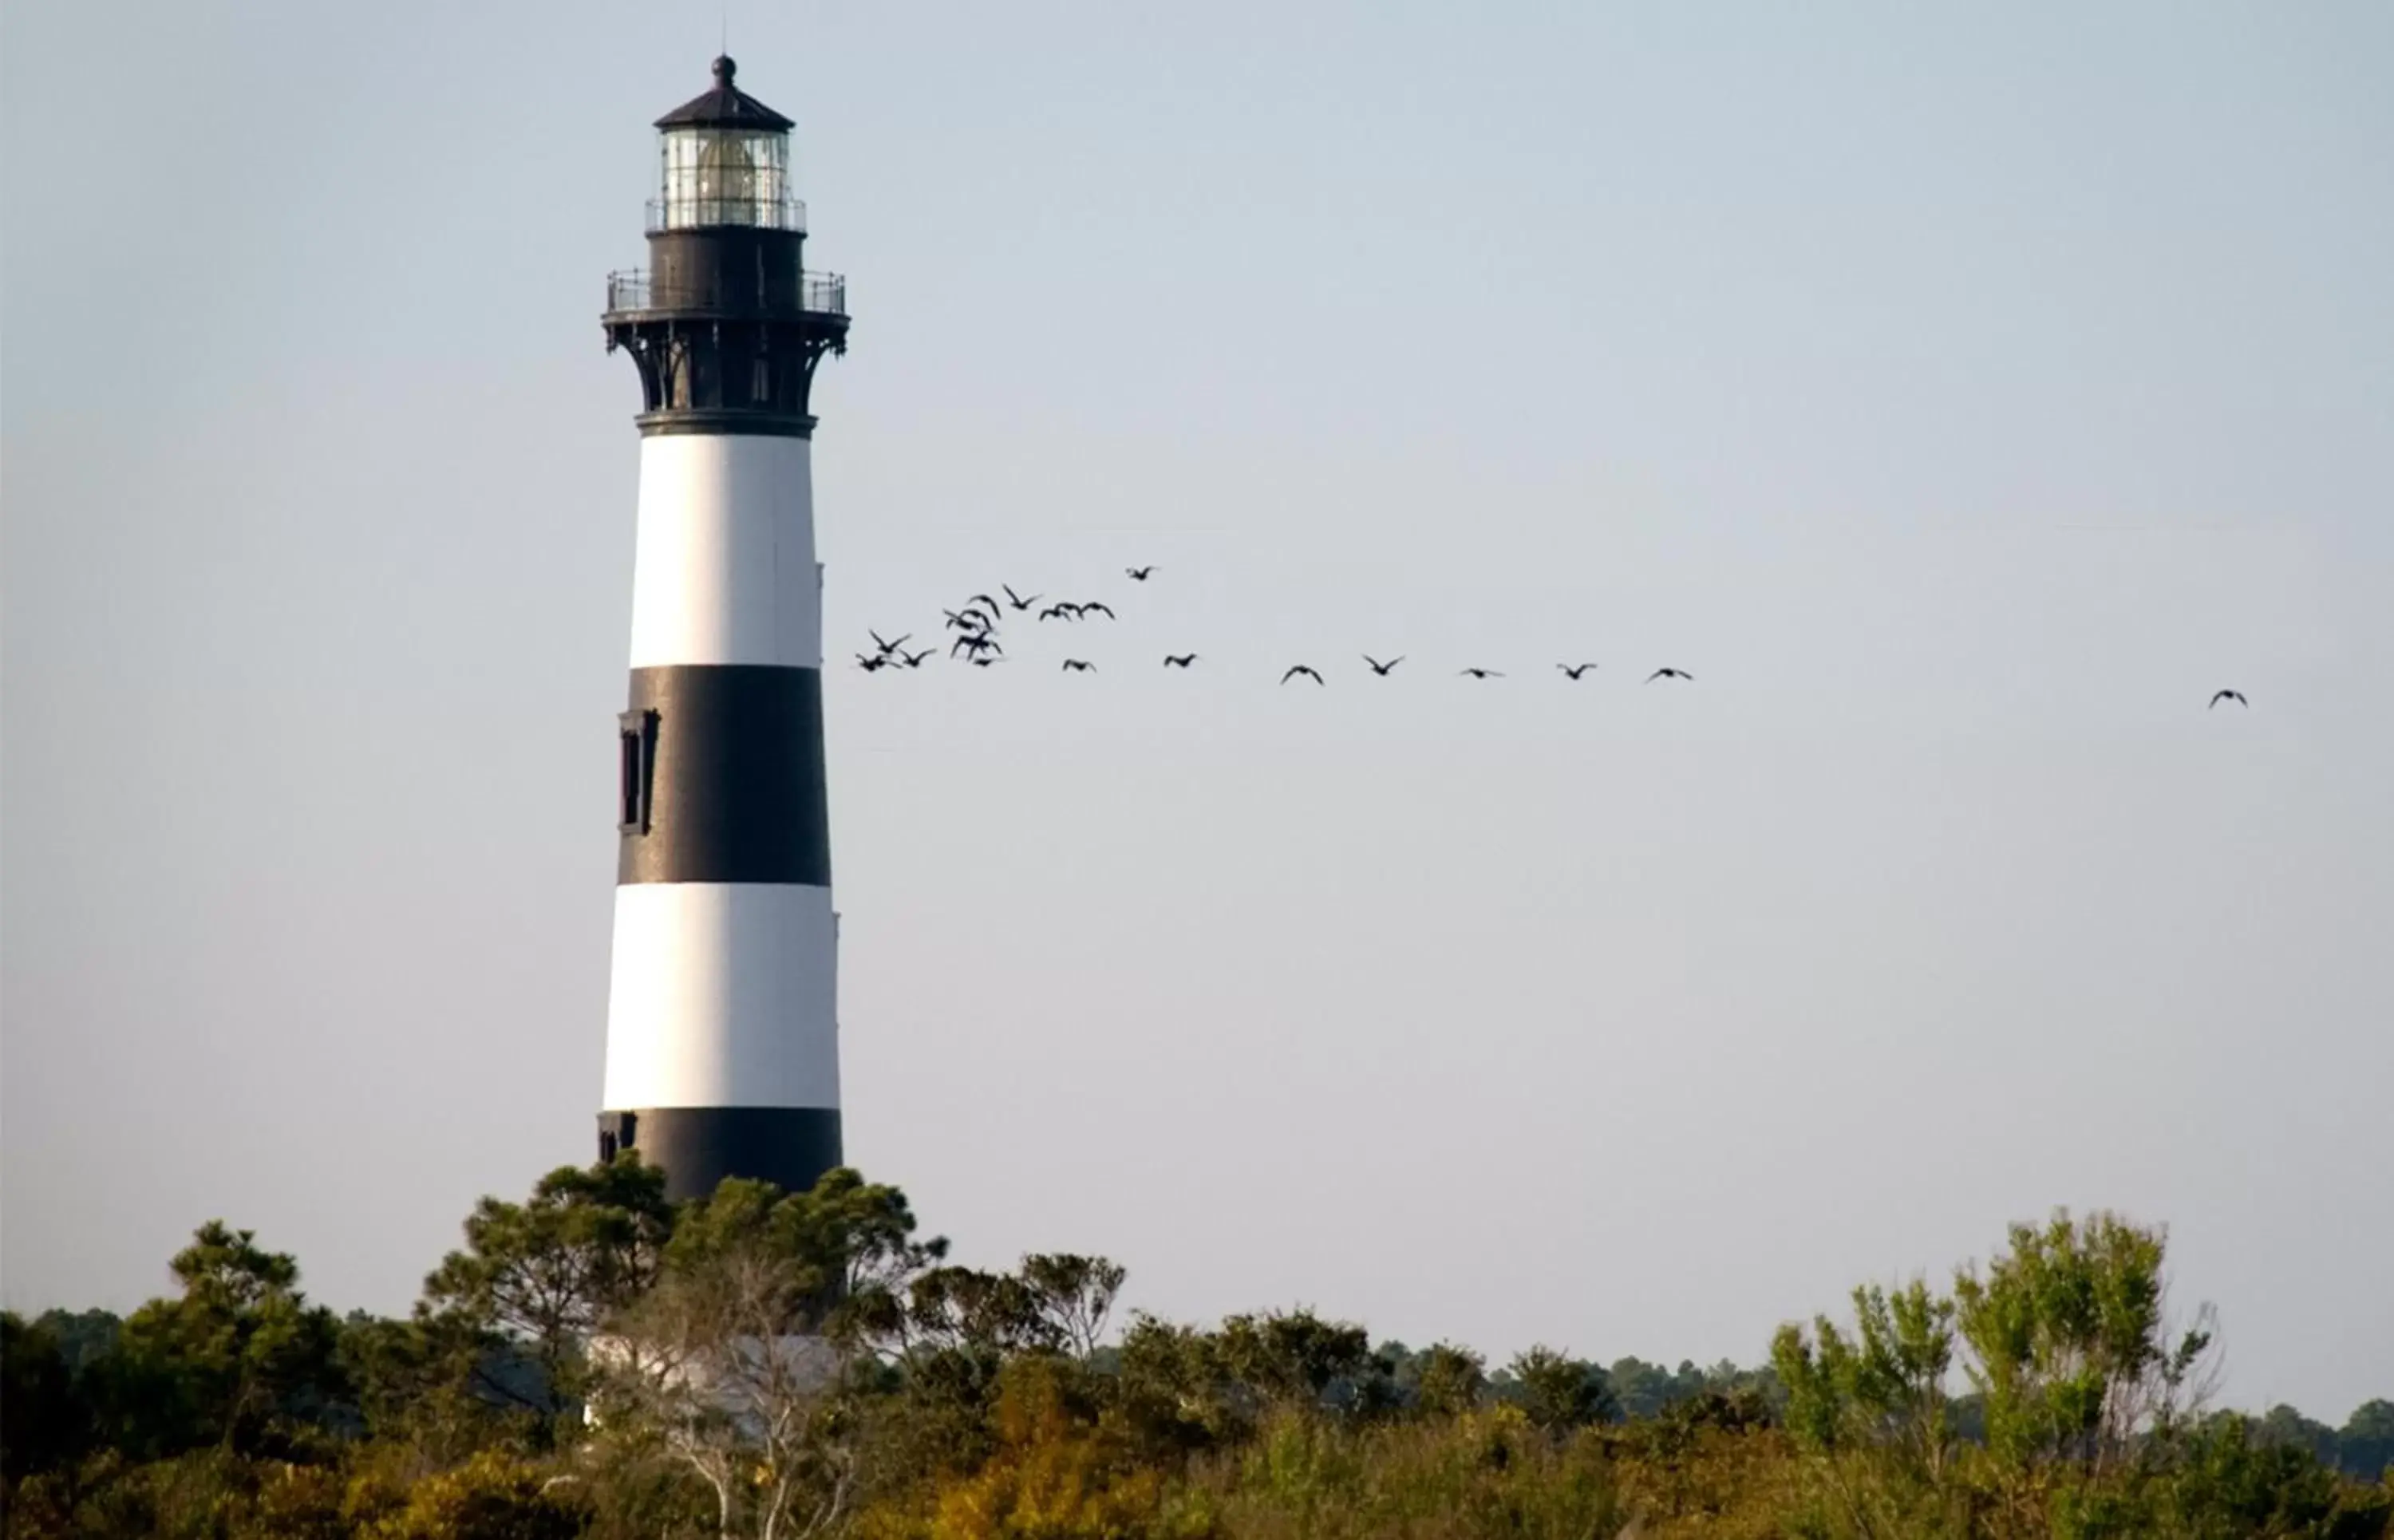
x: 1963, y: 398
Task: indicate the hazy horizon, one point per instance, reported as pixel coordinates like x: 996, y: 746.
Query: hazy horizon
x: 1961, y: 399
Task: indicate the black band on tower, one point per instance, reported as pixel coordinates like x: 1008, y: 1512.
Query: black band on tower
x: 733, y: 789
x: 791, y: 1147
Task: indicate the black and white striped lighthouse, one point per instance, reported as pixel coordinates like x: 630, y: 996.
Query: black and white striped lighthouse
x: 722, y: 1027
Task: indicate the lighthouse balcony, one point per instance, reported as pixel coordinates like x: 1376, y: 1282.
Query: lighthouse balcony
x: 631, y: 294
x: 700, y: 207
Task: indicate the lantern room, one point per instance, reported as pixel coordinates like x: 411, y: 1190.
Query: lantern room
x: 726, y: 160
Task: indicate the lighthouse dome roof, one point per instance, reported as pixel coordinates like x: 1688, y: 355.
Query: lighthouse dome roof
x: 725, y: 106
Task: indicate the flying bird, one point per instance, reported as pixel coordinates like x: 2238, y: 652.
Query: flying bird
x: 1483, y: 673
x: 1061, y: 610
x: 980, y: 661
x: 1181, y: 661
x: 889, y: 647
x: 1300, y: 668
x: 969, y: 620
x: 1092, y: 604
x: 1668, y: 674
x: 1574, y: 673
x: 914, y: 660
x: 974, y: 642
x: 1018, y: 600
x: 870, y: 664
x: 2236, y: 695
x: 1138, y: 574
x: 1382, y: 668
x: 1076, y: 666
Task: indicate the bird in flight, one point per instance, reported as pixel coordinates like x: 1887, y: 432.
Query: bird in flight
x: 1483, y: 673
x: 987, y: 603
x: 1300, y: 668
x: 983, y: 662
x: 969, y: 620
x: 889, y: 647
x: 1092, y: 604
x: 1668, y: 674
x: 1076, y: 666
x: 974, y: 642
x: 1574, y: 673
x: 1016, y: 599
x: 1061, y: 609
x: 870, y: 664
x: 1138, y: 574
x: 1180, y: 661
x: 2236, y: 695
x: 1382, y: 668
x: 914, y: 660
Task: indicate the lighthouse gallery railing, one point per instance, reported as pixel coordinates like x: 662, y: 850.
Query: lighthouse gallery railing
x: 825, y: 292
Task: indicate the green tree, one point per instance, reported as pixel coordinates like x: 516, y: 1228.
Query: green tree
x: 1883, y: 1385
x: 2234, y: 1479
x: 1450, y: 1381
x: 2283, y: 1425
x: 738, y: 1365
x: 2365, y: 1443
x: 1077, y: 1294
x: 546, y: 1274
x: 240, y: 1360
x: 44, y: 1421
x: 1291, y: 1357
x: 1559, y: 1393
x: 2070, y: 1346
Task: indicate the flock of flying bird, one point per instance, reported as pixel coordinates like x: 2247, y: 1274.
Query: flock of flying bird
x: 976, y: 623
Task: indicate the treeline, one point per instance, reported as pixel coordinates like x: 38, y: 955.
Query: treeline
x: 597, y: 1363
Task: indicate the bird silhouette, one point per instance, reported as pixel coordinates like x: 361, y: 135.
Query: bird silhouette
x: 1076, y: 666
x: 870, y: 664
x: 974, y: 642
x: 1018, y: 600
x: 983, y: 661
x: 1483, y: 673
x: 1300, y: 668
x: 1382, y: 668
x: 1138, y: 574
x: 1668, y: 674
x: 1182, y: 661
x: 1574, y: 673
x: 2236, y: 695
x: 889, y: 647
x: 914, y: 660
x: 1061, y: 610
x: 969, y: 620
x: 1092, y: 604
x: 987, y: 603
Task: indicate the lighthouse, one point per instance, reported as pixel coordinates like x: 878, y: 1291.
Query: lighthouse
x: 722, y: 1021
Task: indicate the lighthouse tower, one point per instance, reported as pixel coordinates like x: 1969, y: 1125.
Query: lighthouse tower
x: 722, y: 1027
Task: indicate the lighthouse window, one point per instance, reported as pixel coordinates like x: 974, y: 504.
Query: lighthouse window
x: 726, y: 176
x: 760, y: 385
x: 637, y: 739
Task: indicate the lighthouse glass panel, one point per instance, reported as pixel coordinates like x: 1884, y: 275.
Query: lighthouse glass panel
x: 726, y: 176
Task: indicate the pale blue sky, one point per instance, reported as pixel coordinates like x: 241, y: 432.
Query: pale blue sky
x: 1962, y: 397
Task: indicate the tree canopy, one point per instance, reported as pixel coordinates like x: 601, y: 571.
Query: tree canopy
x: 595, y: 1361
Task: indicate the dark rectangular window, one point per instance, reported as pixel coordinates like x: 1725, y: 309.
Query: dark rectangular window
x: 761, y: 388
x: 636, y: 737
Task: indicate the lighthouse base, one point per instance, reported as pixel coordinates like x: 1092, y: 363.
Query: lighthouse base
x: 791, y: 1147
